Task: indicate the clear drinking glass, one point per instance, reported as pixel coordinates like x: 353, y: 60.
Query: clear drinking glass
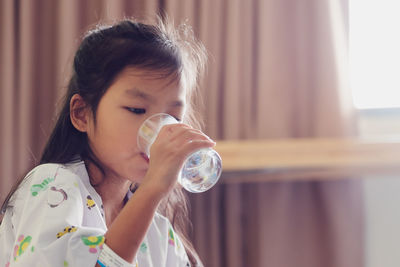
x: 201, y: 169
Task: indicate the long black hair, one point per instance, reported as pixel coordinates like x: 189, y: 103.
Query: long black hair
x: 103, y: 53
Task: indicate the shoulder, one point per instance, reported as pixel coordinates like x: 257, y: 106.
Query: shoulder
x: 53, y: 172
x: 43, y: 175
x: 47, y: 185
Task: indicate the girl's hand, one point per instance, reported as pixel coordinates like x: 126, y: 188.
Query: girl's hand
x: 173, y: 145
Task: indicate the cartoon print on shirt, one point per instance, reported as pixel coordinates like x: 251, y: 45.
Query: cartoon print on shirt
x: 56, y: 196
x: 93, y: 242
x: 36, y: 188
x: 20, y: 248
x: 90, y: 202
x: 143, y: 248
x: 171, y: 238
x: 69, y: 229
x: 102, y: 211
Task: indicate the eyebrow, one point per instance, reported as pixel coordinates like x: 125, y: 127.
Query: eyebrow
x: 137, y: 93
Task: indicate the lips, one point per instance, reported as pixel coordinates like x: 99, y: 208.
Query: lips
x: 146, y: 158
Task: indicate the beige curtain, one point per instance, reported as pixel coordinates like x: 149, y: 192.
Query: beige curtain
x: 277, y: 69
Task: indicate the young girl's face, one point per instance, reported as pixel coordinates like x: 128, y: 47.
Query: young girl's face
x: 134, y: 96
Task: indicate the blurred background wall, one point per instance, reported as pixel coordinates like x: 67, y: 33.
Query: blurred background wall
x: 277, y: 69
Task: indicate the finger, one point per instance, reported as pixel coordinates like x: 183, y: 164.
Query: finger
x: 189, y: 135
x: 179, y: 131
x: 191, y: 147
x: 172, y: 129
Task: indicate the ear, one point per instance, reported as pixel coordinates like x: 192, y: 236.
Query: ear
x: 79, y: 113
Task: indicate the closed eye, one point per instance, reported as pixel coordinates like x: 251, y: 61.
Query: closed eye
x: 137, y: 111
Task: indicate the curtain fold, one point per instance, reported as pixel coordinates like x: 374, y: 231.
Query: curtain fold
x: 8, y: 63
x: 277, y: 69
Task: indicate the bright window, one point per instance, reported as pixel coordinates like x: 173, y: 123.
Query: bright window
x: 375, y: 53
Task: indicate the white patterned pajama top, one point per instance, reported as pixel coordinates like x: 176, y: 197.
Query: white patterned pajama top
x: 56, y: 219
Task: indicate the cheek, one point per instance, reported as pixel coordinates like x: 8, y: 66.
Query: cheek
x: 119, y: 133
x: 115, y: 129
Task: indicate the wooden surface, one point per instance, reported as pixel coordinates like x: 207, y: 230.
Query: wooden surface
x: 307, y: 159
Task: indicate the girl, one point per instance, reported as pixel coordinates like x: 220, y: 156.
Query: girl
x: 96, y: 200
